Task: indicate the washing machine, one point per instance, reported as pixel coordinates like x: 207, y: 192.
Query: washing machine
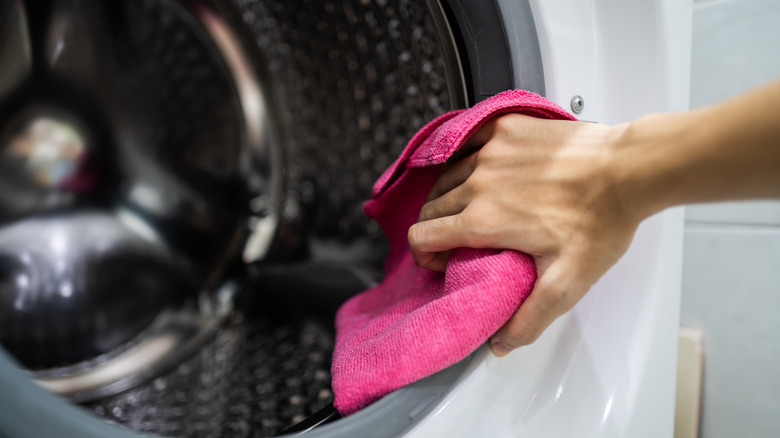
x: 180, y: 191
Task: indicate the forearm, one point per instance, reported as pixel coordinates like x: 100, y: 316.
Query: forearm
x: 729, y: 151
x: 572, y: 194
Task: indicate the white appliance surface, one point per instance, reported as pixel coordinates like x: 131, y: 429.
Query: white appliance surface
x: 607, y: 368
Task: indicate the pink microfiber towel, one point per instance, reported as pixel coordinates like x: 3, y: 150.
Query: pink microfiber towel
x: 418, y: 322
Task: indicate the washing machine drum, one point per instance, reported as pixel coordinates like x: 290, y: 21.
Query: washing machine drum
x: 180, y: 192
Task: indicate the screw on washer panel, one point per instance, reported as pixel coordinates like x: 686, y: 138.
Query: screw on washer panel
x: 577, y: 104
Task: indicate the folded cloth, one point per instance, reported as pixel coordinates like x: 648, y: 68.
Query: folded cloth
x: 418, y: 322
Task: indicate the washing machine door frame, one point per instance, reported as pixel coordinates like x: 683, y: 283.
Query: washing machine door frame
x: 487, y: 54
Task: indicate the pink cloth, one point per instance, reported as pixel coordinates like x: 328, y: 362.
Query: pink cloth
x: 418, y: 322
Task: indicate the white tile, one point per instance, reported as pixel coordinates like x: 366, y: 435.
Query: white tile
x: 731, y: 291
x: 748, y: 213
x: 735, y: 48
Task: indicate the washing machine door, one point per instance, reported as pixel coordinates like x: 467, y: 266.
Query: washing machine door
x: 180, y: 201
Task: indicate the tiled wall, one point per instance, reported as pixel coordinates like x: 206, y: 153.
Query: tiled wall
x: 731, y: 271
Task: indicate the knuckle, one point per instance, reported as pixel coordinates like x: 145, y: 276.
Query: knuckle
x: 485, y: 157
x: 474, y: 184
x: 558, y: 295
x: 505, y: 123
x: 470, y: 238
x: 502, y: 122
x: 480, y: 228
x: 477, y: 183
x: 470, y: 222
x: 551, y: 300
x: 468, y: 218
x: 488, y: 236
x: 555, y: 300
x: 476, y: 159
x: 472, y: 160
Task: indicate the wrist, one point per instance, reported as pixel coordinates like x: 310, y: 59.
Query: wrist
x: 649, y: 164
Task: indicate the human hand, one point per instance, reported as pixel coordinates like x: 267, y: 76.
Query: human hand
x: 546, y: 188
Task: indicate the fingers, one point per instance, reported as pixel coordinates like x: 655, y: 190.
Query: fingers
x: 457, y: 173
x: 553, y: 295
x: 429, y: 238
x: 449, y: 204
x: 436, y: 232
x: 454, y: 176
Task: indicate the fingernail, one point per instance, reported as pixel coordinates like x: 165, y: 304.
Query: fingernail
x: 499, y: 348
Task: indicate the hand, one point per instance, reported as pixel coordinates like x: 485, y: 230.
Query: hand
x: 546, y: 188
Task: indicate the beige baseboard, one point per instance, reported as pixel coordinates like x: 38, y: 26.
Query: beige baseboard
x: 690, y: 374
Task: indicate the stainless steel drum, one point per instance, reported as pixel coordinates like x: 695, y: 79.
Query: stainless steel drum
x: 180, y: 191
